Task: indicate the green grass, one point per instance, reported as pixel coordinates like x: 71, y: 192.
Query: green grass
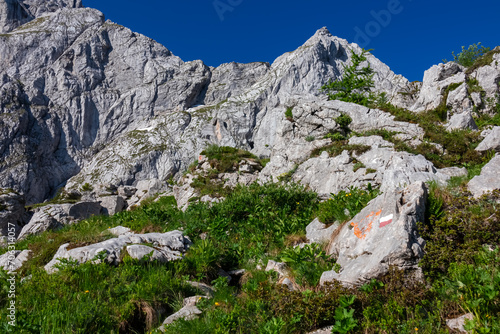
x: 253, y: 224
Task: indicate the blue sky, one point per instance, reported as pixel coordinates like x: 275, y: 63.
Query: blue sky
x: 408, y: 35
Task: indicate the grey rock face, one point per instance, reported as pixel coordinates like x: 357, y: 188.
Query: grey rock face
x: 57, y: 215
x: 489, y: 179
x: 112, y: 204
x: 317, y: 232
x: 12, y: 212
x: 138, y: 252
x: 491, y: 141
x: 316, y: 119
x: 461, y: 121
x: 171, y: 244
x: 383, y: 167
x: 14, y: 13
x: 232, y: 79
x: 436, y: 80
x: 114, y: 107
x: 382, y: 234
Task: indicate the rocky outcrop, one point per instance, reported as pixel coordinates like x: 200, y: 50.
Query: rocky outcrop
x: 317, y: 232
x: 114, y: 107
x: 379, y: 164
x: 13, y: 215
x: 436, y: 80
x: 383, y: 234
x: 489, y: 179
x: 246, y: 173
x: 54, y: 216
x: 491, y: 140
x: 171, y: 246
x: 462, y: 91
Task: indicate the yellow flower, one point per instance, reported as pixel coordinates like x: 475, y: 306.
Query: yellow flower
x: 416, y: 328
x: 87, y: 291
x: 217, y: 304
x: 199, y: 298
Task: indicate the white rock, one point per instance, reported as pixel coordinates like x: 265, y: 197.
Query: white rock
x: 491, y: 141
x: 382, y: 234
x: 488, y: 180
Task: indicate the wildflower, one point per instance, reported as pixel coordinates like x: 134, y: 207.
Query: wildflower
x: 217, y: 304
x: 86, y: 291
x: 199, y: 298
x: 416, y: 328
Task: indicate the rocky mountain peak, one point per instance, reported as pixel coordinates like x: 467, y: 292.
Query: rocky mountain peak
x: 14, y: 13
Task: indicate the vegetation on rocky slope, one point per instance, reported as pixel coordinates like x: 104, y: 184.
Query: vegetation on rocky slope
x: 254, y: 224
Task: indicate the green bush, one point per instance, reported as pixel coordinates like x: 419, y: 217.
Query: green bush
x: 343, y: 121
x: 470, y: 55
x: 307, y: 263
x: 310, y: 138
x: 335, y: 136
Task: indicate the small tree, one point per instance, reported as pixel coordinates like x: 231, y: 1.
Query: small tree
x: 355, y: 84
x: 469, y: 56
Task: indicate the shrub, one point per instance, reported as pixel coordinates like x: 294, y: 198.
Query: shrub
x: 458, y: 233
x: 310, y: 138
x: 87, y: 187
x: 470, y: 55
x: 335, y: 136
x: 354, y: 200
x: 355, y: 83
x: 343, y: 121
x: 308, y: 263
x: 288, y: 114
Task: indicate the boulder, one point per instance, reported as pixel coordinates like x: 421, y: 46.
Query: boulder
x: 13, y: 260
x: 383, y: 234
x: 279, y: 267
x: 54, y: 216
x: 458, y: 324
x: 119, y: 230
x: 189, y: 311
x: 317, y: 232
x: 112, y: 204
x: 13, y: 215
x: 461, y: 121
x: 436, y: 80
x: 491, y: 141
x: 138, y: 252
x: 170, y: 244
x: 488, y: 180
